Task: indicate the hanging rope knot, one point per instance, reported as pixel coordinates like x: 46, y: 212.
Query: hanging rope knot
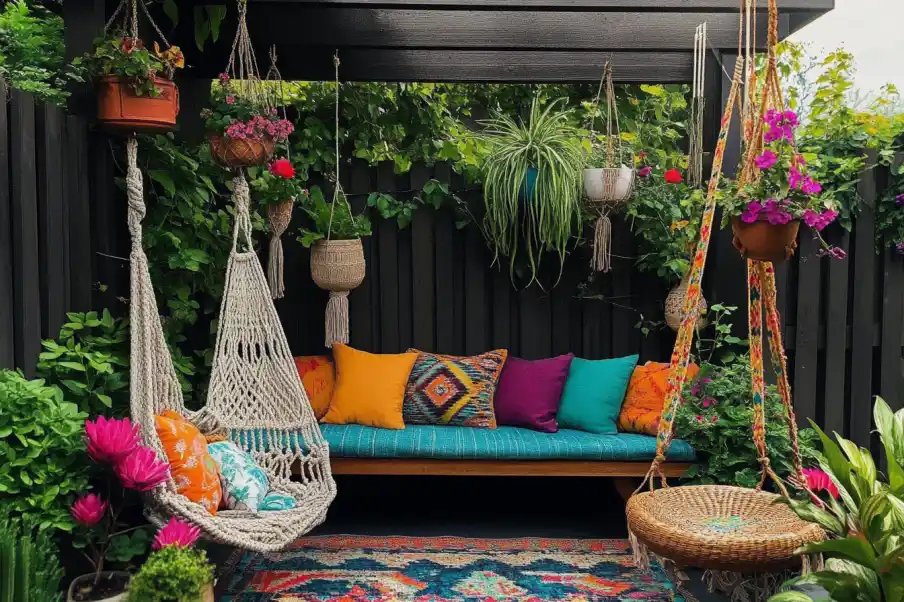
x: 659, y: 459
x: 765, y: 463
x: 134, y: 191
x: 336, y: 60
x: 338, y: 293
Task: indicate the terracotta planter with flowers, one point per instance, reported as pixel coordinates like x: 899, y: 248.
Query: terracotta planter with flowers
x: 120, y: 108
x: 763, y: 241
x: 241, y: 152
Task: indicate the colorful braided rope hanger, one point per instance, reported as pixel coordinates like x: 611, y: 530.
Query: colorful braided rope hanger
x: 717, y: 527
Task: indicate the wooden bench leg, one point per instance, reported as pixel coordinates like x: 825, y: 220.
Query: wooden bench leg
x: 625, y: 486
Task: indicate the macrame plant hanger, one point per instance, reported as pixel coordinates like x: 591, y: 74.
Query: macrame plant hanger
x: 685, y: 525
x: 278, y: 214
x: 610, y: 185
x: 337, y: 266
x: 254, y: 395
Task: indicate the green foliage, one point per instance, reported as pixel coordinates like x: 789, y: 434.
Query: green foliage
x: 890, y: 210
x: 546, y: 215
x: 89, y: 362
x: 30, y: 568
x: 172, y: 574
x: 270, y: 189
x: 41, y: 447
x: 128, y: 59
x: 866, y: 522
x: 32, y: 51
x: 334, y: 218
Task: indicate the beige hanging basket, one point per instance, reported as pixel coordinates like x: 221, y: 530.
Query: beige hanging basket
x: 608, y: 185
x: 278, y: 217
x: 337, y: 266
x: 674, y: 305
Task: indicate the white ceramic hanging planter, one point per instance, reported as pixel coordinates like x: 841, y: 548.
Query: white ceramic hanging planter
x: 608, y: 184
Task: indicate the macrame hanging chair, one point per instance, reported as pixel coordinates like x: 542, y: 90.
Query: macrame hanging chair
x: 607, y: 186
x: 720, y: 528
x: 255, y: 395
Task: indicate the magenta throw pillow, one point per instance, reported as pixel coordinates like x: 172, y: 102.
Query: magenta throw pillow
x: 529, y: 392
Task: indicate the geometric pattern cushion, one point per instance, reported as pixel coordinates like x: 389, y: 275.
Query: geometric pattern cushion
x: 452, y: 390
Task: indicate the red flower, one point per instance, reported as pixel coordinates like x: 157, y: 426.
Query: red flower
x: 129, y: 44
x: 818, y: 480
x: 282, y: 168
x: 673, y: 176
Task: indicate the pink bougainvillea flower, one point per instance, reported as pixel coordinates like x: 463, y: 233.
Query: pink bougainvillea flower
x: 795, y: 178
x: 176, y: 533
x: 766, y: 160
x: 142, y: 470
x: 643, y: 172
x: 818, y: 480
x: 837, y: 253
x: 752, y: 212
x: 88, y: 510
x: 818, y: 221
x: 811, y: 187
x: 282, y: 168
x: 110, y: 440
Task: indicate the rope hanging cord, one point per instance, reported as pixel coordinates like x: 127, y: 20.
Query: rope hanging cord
x: 279, y: 215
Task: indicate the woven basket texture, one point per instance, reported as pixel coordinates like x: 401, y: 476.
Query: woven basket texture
x: 337, y: 265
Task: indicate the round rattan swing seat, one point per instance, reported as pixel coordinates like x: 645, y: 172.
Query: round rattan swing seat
x: 719, y: 527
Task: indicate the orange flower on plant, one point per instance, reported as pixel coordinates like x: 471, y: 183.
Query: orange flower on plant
x: 680, y: 225
x: 172, y: 56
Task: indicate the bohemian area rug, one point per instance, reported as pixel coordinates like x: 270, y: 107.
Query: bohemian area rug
x: 345, y: 568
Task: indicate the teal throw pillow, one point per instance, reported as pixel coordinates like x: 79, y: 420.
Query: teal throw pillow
x: 244, y: 482
x: 594, y: 393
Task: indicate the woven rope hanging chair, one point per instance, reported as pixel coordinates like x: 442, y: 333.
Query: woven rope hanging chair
x: 717, y: 527
x: 255, y: 394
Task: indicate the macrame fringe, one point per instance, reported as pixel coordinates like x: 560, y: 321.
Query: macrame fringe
x: 640, y: 552
x: 739, y: 587
x: 275, y: 268
x: 602, y: 244
x: 337, y: 318
x: 812, y: 563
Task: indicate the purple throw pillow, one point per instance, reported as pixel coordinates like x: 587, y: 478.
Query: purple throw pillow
x: 529, y: 392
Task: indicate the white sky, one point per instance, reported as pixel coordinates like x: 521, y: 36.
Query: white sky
x: 872, y: 30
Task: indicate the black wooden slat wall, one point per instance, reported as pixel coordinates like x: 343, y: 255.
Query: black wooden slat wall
x: 45, y: 250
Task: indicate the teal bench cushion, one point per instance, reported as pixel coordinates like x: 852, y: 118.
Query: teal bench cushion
x: 503, y: 443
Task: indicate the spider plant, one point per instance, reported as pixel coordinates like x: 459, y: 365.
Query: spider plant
x: 543, y: 215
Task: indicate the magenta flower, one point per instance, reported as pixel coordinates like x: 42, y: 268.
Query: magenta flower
x: 818, y: 480
x: 818, y: 221
x: 795, y: 178
x: 753, y: 211
x: 176, y: 533
x: 88, y: 510
x: 766, y: 160
x: 837, y: 253
x: 811, y: 218
x: 899, y: 200
x: 230, y: 100
x: 776, y: 213
x: 142, y: 470
x: 714, y: 419
x: 811, y: 186
x: 110, y: 440
x: 900, y: 248
x: 699, y: 418
x: 643, y: 172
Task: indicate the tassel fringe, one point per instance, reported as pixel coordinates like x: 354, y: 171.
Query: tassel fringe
x: 337, y: 318
x: 602, y: 244
x: 275, y: 268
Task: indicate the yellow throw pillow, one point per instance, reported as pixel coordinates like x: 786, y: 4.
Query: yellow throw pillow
x: 645, y: 397
x: 370, y: 388
x: 317, y: 377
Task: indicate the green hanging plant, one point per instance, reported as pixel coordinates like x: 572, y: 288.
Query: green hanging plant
x: 541, y: 207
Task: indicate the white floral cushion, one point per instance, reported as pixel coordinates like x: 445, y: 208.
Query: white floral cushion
x: 245, y: 484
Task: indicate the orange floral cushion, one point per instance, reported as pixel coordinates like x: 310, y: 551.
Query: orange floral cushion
x: 318, y: 377
x: 645, y: 397
x: 193, y: 469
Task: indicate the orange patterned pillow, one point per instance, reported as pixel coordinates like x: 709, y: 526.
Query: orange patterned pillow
x: 193, y: 469
x: 646, y: 394
x: 318, y: 377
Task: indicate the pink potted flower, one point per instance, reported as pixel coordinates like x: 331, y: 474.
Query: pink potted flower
x: 115, y: 445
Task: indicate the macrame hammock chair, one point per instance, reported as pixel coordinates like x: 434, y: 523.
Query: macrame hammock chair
x: 727, y: 530
x: 255, y: 395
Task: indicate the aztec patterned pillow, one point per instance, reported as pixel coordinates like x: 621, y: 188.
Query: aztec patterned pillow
x: 458, y: 391
x: 245, y: 484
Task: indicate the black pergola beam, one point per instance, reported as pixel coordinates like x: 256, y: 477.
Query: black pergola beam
x: 672, y: 6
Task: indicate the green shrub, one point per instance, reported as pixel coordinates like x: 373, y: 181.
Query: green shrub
x: 90, y: 362
x: 172, y: 574
x: 42, y: 460
x: 29, y: 564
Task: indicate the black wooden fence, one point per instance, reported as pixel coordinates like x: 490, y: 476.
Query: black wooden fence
x: 431, y: 285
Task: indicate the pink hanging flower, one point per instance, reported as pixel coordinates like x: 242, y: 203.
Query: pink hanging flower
x: 715, y: 418
x: 644, y: 172
x: 818, y: 480
x: 142, y: 470
x: 89, y: 510
x: 899, y: 200
x: 811, y: 187
x: 230, y: 100
x: 766, y: 160
x: 818, y: 221
x: 699, y: 418
x: 795, y: 178
x: 110, y: 440
x: 176, y: 533
x: 752, y: 213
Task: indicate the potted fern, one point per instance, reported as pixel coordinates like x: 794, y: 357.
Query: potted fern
x: 532, y: 184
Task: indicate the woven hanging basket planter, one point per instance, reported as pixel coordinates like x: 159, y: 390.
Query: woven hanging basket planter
x: 120, y: 109
x: 605, y: 185
x: 762, y: 241
x: 236, y: 152
x: 720, y: 528
x: 337, y: 266
x: 674, y: 305
x: 278, y: 217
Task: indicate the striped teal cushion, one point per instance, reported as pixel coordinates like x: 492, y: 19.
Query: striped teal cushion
x: 503, y: 443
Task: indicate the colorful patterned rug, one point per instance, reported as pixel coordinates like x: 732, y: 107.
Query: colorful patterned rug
x: 345, y: 568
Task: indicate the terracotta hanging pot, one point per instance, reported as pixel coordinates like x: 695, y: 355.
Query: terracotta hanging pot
x: 763, y: 241
x: 337, y: 266
x: 120, y: 109
x: 674, y: 305
x: 237, y: 152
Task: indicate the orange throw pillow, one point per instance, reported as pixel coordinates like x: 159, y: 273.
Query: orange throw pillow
x: 645, y: 397
x: 193, y: 469
x: 318, y: 377
x: 370, y: 388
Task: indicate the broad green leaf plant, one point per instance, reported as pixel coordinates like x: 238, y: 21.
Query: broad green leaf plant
x: 865, y: 551
x: 544, y: 216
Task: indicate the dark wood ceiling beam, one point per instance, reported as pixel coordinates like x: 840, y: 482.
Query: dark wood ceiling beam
x: 488, y: 30
x: 725, y: 6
